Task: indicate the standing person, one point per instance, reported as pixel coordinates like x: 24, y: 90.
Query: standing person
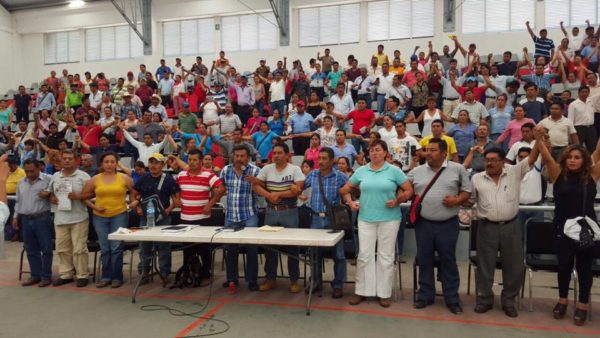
x: 560, y: 130
x: 363, y: 120
x: 496, y: 192
x: 23, y: 105
x: 71, y: 221
x: 280, y: 183
x: 163, y: 186
x: 241, y: 211
x: 110, y: 213
x: 404, y: 149
x: 513, y: 128
x: 463, y: 134
x: 245, y: 98
x: 331, y: 180
x: 300, y: 122
x: 378, y: 223
x: 574, y: 179
x: 32, y: 213
x: 437, y: 229
x: 200, y: 191
x: 581, y: 113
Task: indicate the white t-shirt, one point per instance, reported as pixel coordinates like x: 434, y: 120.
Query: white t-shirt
x: 514, y: 150
x: 531, y: 185
x: 277, y: 90
x: 281, y: 180
x: 327, y: 138
x: 401, y: 151
x: 388, y: 135
x: 210, y: 114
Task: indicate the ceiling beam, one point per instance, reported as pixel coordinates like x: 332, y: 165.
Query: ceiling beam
x: 133, y: 11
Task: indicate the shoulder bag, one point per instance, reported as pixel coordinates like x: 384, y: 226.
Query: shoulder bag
x: 582, y: 229
x: 160, y: 213
x: 415, y: 206
x: 339, y: 214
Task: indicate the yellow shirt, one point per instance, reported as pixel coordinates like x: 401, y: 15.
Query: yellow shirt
x: 397, y: 70
x: 449, y: 141
x: 381, y: 58
x: 13, y: 179
x: 110, y: 196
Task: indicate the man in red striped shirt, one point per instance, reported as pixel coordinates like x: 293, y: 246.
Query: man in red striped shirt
x: 200, y: 190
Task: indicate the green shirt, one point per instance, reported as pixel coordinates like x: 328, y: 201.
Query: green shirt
x: 73, y: 99
x: 187, y: 123
x: 376, y: 188
x: 334, y: 78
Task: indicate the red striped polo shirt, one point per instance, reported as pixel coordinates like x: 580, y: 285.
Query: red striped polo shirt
x: 195, y: 193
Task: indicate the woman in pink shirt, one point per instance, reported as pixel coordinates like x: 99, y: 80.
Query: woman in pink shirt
x: 312, y: 153
x: 513, y: 129
x: 254, y: 122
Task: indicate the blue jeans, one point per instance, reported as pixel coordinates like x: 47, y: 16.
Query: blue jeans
x: 163, y: 248
x: 288, y: 219
x: 37, y: 240
x: 360, y: 145
x: 380, y: 103
x: 279, y: 105
x: 111, y: 252
x: 251, y: 254
x: 440, y: 237
x: 339, y: 259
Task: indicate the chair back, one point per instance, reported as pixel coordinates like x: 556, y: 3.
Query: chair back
x: 540, y: 237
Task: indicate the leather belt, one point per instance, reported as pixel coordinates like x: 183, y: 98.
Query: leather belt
x: 454, y: 218
x: 320, y: 214
x: 282, y: 207
x: 450, y: 98
x: 500, y: 222
x: 38, y: 215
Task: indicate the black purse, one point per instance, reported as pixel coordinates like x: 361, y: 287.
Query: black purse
x: 340, y: 215
x: 586, y: 235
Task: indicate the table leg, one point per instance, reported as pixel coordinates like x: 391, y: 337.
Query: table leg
x: 312, y: 278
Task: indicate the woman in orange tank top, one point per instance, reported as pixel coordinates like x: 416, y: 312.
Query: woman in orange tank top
x: 110, y: 213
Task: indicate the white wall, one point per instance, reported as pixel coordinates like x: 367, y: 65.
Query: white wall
x: 30, y: 25
x: 11, y: 49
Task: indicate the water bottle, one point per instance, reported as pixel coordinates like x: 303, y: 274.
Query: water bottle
x: 232, y: 289
x: 150, y: 221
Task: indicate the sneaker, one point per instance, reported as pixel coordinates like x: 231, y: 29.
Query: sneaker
x: 31, y: 281
x: 61, y: 281
x: 295, y: 287
x: 44, y: 283
x: 116, y: 284
x: 267, y: 285
x: 82, y: 282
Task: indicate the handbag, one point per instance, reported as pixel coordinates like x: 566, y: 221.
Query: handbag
x: 582, y: 229
x: 160, y: 213
x: 415, y: 206
x: 339, y: 214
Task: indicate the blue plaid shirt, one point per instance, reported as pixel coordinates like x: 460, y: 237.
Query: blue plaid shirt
x: 331, y: 184
x: 241, y: 200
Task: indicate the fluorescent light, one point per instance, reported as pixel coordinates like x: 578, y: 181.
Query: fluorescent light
x: 76, y: 3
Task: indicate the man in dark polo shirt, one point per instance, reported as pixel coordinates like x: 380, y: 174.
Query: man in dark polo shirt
x: 23, y: 104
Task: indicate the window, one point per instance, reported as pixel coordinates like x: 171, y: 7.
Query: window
x: 481, y: 16
x: 61, y: 47
x: 189, y: 37
x: 330, y: 25
x: 400, y: 19
x: 572, y: 12
x: 249, y: 32
x: 112, y: 43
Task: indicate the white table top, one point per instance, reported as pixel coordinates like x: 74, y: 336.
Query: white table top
x: 203, y: 234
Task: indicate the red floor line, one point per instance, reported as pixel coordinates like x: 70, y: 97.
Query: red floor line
x: 429, y: 318
x: 199, y: 321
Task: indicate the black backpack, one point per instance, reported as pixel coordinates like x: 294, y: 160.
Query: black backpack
x: 188, y: 275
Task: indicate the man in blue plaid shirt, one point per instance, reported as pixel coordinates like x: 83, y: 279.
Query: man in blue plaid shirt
x: 241, y: 211
x: 332, y: 180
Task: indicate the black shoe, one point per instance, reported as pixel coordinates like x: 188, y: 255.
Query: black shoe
x: 44, y: 282
x: 559, y: 310
x: 510, y: 311
x: 252, y: 287
x: 455, y: 308
x: 421, y: 304
x: 316, y: 288
x: 483, y: 308
x: 144, y: 279
x: 579, y: 317
x: 82, y: 282
x: 60, y: 281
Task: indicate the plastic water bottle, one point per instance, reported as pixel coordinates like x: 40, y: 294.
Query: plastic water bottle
x: 232, y: 289
x: 150, y: 221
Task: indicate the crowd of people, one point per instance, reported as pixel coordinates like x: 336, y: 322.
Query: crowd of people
x: 198, y: 134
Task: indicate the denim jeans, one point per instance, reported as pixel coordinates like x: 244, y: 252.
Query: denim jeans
x: 288, y: 219
x: 251, y: 254
x: 111, y: 252
x: 360, y: 145
x: 163, y: 248
x: 339, y: 260
x: 37, y: 240
x: 279, y: 105
x: 380, y: 103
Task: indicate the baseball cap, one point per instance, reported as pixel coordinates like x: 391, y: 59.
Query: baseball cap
x: 471, y: 79
x: 157, y: 156
x: 129, y: 73
x: 185, y: 105
x: 300, y: 103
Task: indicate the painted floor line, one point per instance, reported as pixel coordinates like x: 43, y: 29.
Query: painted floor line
x: 199, y: 321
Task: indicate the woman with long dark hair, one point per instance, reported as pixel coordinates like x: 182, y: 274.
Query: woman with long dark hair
x: 574, y: 180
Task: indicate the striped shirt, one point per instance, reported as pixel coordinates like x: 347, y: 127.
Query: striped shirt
x: 195, y: 193
x: 241, y: 200
x: 280, y: 181
x: 499, y: 202
x: 543, y: 46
